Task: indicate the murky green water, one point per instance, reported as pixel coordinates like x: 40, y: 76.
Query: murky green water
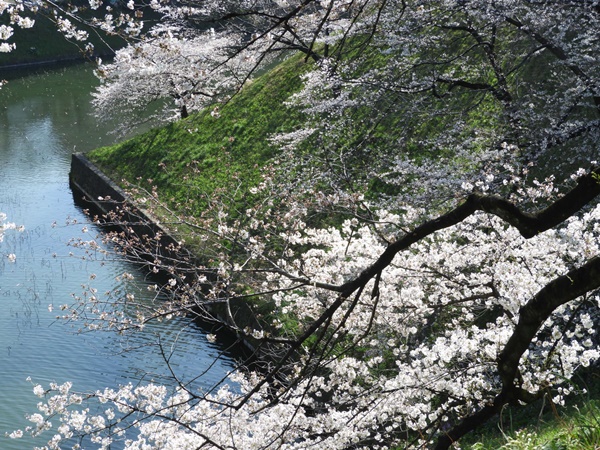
x: 43, y: 119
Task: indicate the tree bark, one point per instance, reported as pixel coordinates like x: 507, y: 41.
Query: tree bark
x: 532, y: 315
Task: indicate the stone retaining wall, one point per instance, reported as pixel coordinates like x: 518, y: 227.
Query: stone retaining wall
x: 95, y: 191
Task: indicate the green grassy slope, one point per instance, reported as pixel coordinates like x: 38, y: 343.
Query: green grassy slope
x: 202, y: 152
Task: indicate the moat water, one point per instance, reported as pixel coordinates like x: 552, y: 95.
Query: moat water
x: 44, y: 118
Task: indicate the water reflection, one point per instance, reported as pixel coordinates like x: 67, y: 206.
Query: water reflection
x: 43, y: 119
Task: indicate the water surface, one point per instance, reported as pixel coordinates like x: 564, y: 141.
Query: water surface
x: 44, y: 118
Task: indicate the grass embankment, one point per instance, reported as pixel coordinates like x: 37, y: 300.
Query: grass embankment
x: 205, y: 156
x: 204, y: 153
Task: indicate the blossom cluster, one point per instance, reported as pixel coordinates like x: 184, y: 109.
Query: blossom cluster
x: 190, y: 71
x: 421, y: 344
x: 14, y: 10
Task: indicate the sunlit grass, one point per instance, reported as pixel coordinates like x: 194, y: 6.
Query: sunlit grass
x: 194, y: 157
x: 545, y: 426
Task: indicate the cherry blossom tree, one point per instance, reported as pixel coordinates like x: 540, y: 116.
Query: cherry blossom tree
x: 199, y: 59
x: 430, y: 261
x: 405, y: 337
x: 193, y: 72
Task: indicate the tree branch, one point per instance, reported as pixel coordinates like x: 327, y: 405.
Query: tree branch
x: 558, y: 52
x: 535, y: 312
x: 528, y: 224
x: 559, y: 291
